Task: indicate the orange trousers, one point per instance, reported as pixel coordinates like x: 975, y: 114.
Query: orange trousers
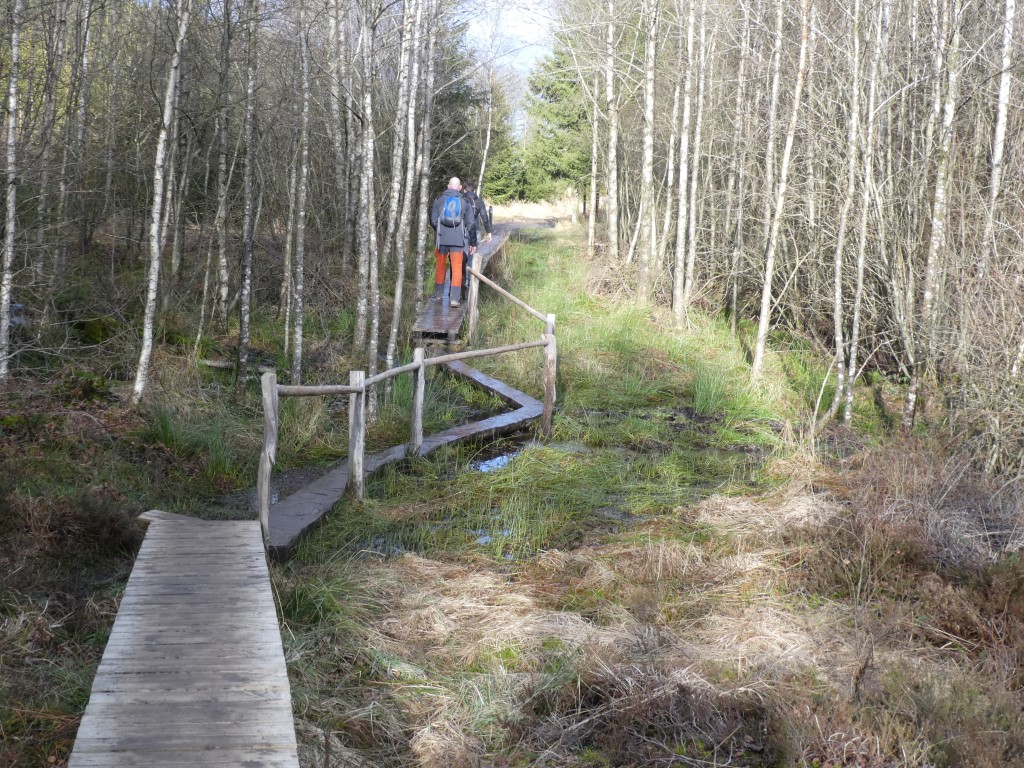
x: 440, y: 259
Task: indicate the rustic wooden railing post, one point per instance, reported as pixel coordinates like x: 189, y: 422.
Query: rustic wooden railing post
x: 356, y: 432
x: 269, y: 452
x: 550, y: 369
x: 419, y: 378
x: 474, y: 305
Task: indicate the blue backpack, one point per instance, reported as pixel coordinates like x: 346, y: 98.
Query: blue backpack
x: 451, y: 211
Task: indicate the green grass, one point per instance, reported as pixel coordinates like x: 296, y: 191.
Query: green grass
x: 221, y: 443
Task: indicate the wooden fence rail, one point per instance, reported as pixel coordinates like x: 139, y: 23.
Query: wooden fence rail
x: 359, y: 384
x: 514, y: 299
x: 357, y: 388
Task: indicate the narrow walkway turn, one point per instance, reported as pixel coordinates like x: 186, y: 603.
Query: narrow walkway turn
x: 298, y: 514
x: 193, y: 673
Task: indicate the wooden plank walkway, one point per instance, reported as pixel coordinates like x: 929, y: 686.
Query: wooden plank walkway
x: 193, y: 673
x: 298, y: 514
x: 440, y: 322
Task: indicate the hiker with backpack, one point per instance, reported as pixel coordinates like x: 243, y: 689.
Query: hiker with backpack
x: 449, y: 217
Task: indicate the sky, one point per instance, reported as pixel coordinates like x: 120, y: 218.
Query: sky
x: 523, y: 30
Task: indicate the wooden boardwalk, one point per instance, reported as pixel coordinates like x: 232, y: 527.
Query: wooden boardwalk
x: 293, y: 517
x: 193, y: 673
x: 442, y: 323
x: 298, y: 514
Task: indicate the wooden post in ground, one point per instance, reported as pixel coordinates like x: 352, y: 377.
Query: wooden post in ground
x: 269, y: 452
x: 474, y: 306
x: 356, y: 433
x: 419, y: 387
x: 550, y: 369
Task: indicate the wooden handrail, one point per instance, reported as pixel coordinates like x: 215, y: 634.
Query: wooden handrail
x: 390, y: 373
x: 313, y: 390
x: 514, y: 299
x: 359, y: 385
x: 470, y: 354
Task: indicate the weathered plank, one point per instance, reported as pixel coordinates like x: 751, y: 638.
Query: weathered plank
x: 193, y: 673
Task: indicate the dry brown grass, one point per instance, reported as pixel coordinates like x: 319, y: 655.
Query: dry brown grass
x: 819, y: 625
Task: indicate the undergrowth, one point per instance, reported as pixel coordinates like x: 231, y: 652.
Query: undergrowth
x: 675, y: 578
x: 685, y: 574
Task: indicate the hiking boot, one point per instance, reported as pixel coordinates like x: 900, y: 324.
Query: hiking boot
x: 454, y: 303
x: 438, y: 292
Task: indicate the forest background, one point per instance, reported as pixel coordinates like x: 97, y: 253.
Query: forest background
x: 249, y: 181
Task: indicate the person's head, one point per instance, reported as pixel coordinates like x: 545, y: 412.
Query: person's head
x: 467, y: 187
x: 454, y: 183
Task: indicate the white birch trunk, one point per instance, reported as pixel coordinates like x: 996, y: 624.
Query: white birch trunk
x: 852, y: 162
x: 336, y: 37
x: 248, y: 203
x: 868, y: 189
x: 156, y: 211
x: 287, y: 294
x: 937, y: 240
x: 398, y: 143
x: 53, y: 69
x: 298, y: 304
x: 734, y: 220
x: 223, y: 176
x: 409, y: 187
x: 490, y: 111
x: 612, y: 166
x: 998, y: 138
x: 366, y: 196
x: 648, y: 223
x: 682, y: 216
x: 7, y: 279
x: 670, y: 164
x: 423, y: 158
x: 773, y: 122
x: 764, y: 320
x: 595, y: 170
x: 698, y: 122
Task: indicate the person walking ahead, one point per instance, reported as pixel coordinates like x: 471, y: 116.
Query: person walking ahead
x: 477, y: 213
x: 449, y: 218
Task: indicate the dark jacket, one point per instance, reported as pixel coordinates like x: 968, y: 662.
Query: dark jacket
x: 481, y: 210
x: 472, y: 215
x: 454, y: 237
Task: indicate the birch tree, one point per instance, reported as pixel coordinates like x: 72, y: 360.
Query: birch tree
x: 679, y: 308
x: 852, y: 156
x: 764, y: 320
x: 988, y: 251
x: 868, y: 189
x: 183, y: 15
x: 7, y: 280
x: 647, y: 221
x: 408, y: 186
x: 936, y: 241
x: 698, y: 124
x: 612, y: 165
x: 248, y: 196
x: 298, y: 303
x: 424, y: 152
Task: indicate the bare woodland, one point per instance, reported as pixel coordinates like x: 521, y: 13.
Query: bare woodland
x: 847, y: 171
x: 838, y: 170
x: 225, y: 162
